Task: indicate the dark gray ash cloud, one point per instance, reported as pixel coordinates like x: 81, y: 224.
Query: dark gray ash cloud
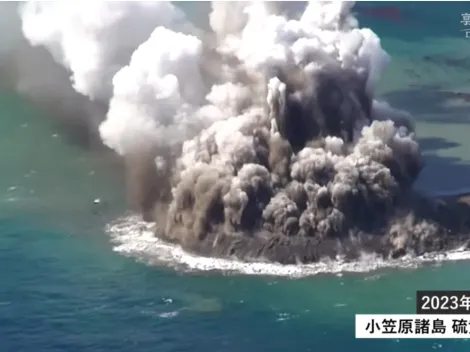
x: 260, y: 138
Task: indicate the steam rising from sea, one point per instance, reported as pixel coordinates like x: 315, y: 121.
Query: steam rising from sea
x: 260, y: 139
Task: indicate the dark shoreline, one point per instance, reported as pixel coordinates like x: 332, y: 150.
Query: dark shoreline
x: 450, y: 212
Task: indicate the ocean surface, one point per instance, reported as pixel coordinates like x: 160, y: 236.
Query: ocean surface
x: 67, y: 286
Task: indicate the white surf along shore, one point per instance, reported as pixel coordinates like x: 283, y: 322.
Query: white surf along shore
x: 135, y: 238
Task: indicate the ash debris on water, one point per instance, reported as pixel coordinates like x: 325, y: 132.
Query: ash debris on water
x: 260, y: 139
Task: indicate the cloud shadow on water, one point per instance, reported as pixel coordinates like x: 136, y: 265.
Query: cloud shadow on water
x: 432, y: 104
x: 442, y: 174
x: 432, y: 144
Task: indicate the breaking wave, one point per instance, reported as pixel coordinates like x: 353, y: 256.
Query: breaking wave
x: 134, y: 238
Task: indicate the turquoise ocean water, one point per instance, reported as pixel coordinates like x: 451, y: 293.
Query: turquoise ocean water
x: 63, y: 288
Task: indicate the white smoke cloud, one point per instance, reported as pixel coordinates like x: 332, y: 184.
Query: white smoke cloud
x: 325, y: 34
x: 94, y: 39
x: 153, y: 101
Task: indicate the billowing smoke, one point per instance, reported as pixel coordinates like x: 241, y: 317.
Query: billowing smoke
x: 95, y: 39
x: 259, y: 139
x: 77, y: 49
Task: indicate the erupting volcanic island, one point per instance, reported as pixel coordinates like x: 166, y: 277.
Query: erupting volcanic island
x: 308, y: 184
x: 260, y: 139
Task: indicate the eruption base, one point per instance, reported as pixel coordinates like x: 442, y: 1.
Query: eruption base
x: 451, y: 214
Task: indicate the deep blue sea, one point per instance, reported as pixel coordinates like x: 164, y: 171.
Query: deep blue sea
x: 64, y: 288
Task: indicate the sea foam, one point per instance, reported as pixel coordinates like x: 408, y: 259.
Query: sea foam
x: 135, y: 238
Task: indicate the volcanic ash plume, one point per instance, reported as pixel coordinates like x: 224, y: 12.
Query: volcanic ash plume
x: 95, y: 39
x: 260, y: 139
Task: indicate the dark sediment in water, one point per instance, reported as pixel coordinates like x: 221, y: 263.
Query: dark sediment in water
x: 391, y: 13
